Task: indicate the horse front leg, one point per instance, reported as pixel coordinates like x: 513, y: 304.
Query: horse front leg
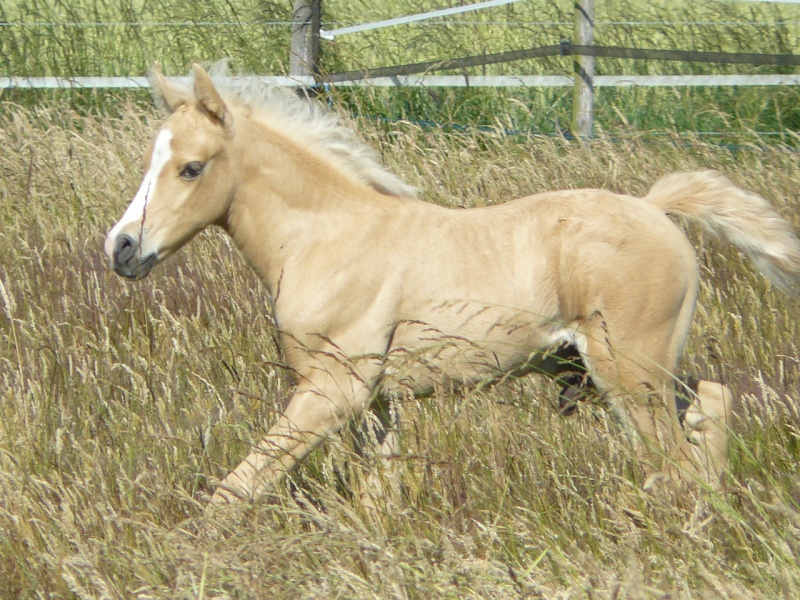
x: 378, y: 441
x: 320, y: 406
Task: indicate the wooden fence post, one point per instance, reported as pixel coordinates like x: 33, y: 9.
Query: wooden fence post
x: 583, y: 100
x: 305, y: 38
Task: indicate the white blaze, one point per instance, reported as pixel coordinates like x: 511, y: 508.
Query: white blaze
x: 137, y: 210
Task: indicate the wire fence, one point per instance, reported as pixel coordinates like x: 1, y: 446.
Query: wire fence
x: 327, y: 25
x: 533, y: 66
x: 394, y: 76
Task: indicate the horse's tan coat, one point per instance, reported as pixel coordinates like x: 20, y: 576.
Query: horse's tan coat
x: 377, y: 293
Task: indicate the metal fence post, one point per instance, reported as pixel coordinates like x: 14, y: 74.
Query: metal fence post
x: 304, y: 56
x: 583, y: 101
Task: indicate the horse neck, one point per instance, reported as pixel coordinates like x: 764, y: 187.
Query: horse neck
x: 288, y: 199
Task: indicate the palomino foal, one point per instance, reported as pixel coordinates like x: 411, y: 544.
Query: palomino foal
x: 377, y: 293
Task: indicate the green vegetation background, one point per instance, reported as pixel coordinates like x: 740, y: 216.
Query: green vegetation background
x: 123, y: 37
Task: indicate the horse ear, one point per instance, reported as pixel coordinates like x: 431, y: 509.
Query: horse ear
x: 208, y: 98
x: 167, y: 96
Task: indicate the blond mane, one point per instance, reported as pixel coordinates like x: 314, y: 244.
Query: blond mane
x: 312, y: 125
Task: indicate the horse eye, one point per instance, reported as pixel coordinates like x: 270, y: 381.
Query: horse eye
x: 192, y: 171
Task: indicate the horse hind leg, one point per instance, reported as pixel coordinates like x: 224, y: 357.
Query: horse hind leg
x: 706, y: 408
x: 635, y: 386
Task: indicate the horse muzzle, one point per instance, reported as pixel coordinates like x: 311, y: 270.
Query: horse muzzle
x: 127, y: 259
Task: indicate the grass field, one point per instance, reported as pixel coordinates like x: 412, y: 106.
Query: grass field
x: 121, y: 404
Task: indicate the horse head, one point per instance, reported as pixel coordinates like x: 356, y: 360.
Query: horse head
x: 188, y: 182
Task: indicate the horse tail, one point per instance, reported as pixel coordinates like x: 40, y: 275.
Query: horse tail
x: 744, y: 219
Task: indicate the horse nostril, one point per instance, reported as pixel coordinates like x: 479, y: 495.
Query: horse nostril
x: 124, y: 249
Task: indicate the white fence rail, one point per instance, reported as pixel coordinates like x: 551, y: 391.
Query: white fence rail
x: 307, y: 32
x: 428, y: 81
x: 333, y: 34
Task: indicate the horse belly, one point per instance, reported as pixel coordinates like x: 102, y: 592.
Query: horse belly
x: 466, y: 344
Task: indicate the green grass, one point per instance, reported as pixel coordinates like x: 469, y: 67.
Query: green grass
x: 121, y: 404
x: 42, y: 43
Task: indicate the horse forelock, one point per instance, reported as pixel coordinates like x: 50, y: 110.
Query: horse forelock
x: 313, y: 126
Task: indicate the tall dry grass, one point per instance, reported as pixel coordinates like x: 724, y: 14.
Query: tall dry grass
x: 121, y: 403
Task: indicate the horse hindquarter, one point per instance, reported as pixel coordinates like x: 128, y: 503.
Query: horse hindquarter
x: 629, y: 283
